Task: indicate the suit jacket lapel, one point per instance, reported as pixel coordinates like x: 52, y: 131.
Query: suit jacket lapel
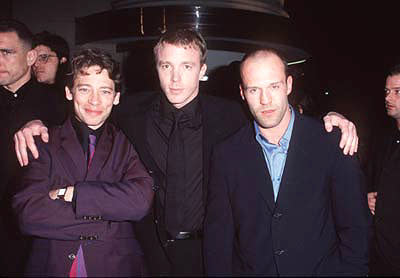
x: 298, y: 156
x: 102, y: 152
x: 70, y: 153
x: 256, y: 168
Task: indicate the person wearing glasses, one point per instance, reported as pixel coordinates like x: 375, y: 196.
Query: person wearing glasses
x: 51, y: 64
x: 22, y: 99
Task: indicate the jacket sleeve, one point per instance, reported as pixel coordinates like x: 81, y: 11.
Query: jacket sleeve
x: 351, y: 214
x: 219, y: 225
x: 37, y: 214
x: 128, y: 199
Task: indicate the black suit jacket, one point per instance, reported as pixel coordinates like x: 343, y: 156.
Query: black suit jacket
x: 383, y: 177
x: 220, y: 118
x: 319, y: 224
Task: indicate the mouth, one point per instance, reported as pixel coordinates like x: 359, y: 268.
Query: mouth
x: 175, y: 90
x: 267, y: 112
x: 93, y: 112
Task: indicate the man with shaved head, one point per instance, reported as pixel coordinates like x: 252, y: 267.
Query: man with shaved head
x: 283, y: 200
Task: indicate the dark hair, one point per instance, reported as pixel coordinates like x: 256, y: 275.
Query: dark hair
x: 395, y: 70
x: 52, y: 41
x: 268, y: 51
x: 60, y: 47
x: 183, y: 37
x: 89, y: 57
x: 22, y: 31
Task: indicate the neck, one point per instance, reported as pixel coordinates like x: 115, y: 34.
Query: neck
x: 20, y: 82
x: 274, y: 134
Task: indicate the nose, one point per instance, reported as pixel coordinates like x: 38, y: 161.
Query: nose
x: 176, y: 75
x: 94, y: 98
x: 265, y: 97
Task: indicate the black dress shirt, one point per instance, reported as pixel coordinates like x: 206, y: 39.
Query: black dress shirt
x: 32, y: 101
x: 83, y: 131
x: 159, y: 129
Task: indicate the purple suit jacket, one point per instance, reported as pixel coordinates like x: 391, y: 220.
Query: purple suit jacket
x: 112, y: 193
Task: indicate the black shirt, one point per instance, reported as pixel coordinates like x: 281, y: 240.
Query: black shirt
x: 32, y: 101
x: 83, y: 131
x: 383, y: 177
x: 159, y: 129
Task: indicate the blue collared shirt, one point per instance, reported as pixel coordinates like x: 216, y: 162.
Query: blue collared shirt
x: 275, y: 155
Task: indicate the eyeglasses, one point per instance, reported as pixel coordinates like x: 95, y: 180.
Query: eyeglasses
x: 44, y: 58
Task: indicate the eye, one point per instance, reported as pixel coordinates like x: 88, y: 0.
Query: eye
x: 106, y: 92
x: 188, y: 66
x: 387, y: 91
x: 165, y: 66
x: 83, y: 90
x: 276, y: 86
x: 6, y: 52
x: 253, y: 90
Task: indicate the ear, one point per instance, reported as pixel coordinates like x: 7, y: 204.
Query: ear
x: 116, y: 98
x: 63, y: 60
x: 203, y: 70
x: 241, y: 91
x: 68, y: 93
x: 289, y: 83
x: 31, y: 57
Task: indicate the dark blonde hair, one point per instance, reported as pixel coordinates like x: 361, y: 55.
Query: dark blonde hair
x: 183, y: 37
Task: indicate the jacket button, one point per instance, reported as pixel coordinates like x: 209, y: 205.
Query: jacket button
x: 279, y: 252
x: 82, y: 237
x: 71, y: 257
x: 277, y: 215
x: 85, y: 218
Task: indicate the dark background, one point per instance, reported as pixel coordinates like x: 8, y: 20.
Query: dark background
x: 353, y: 44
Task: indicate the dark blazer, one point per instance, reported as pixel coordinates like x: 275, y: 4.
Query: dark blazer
x: 318, y: 225
x: 220, y: 118
x: 383, y: 175
x: 115, y: 191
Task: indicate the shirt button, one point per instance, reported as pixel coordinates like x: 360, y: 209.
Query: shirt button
x: 71, y: 257
x: 279, y: 252
x: 15, y: 95
x: 85, y: 218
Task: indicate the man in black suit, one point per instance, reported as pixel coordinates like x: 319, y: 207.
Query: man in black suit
x: 283, y: 199
x: 383, y: 178
x: 174, y: 132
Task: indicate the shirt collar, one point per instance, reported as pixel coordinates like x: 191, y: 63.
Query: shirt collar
x: 285, y: 140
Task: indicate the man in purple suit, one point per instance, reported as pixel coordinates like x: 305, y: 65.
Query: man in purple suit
x: 80, y: 198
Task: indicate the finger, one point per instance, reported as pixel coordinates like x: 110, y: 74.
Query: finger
x: 343, y: 142
x: 44, y: 134
x: 352, y: 137
x: 375, y: 194
x: 16, y: 148
x: 22, y: 147
x: 328, y: 123
x: 30, y: 143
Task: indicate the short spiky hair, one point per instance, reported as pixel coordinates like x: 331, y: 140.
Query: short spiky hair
x: 89, y: 57
x: 183, y: 37
x: 395, y: 70
x: 22, y: 31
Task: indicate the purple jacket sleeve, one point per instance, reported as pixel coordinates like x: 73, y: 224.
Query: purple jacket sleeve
x: 41, y: 216
x: 128, y: 199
